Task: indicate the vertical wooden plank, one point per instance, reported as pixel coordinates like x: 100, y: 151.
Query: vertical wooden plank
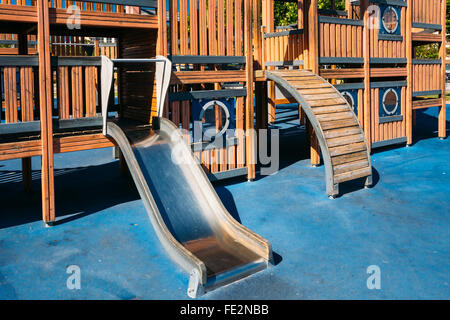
x: 193, y: 18
x: 11, y: 112
x: 63, y: 92
x: 90, y: 77
x: 332, y: 39
x: 249, y: 112
x: 240, y: 132
x: 186, y: 120
x: 354, y: 42
x: 221, y: 27
x: 238, y: 28
x: 162, y: 26
x: 174, y: 26
x: 366, y: 55
x: 338, y: 40
x: 176, y: 113
x: 77, y: 92
x: 45, y: 103
x: 212, y: 27
x: 183, y: 27
x: 257, y: 37
x: 26, y: 93
x: 230, y: 27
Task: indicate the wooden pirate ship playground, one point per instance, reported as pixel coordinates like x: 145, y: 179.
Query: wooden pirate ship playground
x: 81, y: 75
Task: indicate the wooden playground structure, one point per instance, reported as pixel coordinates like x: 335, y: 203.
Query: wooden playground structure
x: 353, y: 73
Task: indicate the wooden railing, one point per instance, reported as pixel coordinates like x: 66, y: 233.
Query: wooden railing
x: 284, y: 47
x: 206, y: 27
x: 341, y: 38
x: 116, y: 6
x: 18, y: 96
x: 427, y: 76
x: 75, y: 93
x: 427, y: 11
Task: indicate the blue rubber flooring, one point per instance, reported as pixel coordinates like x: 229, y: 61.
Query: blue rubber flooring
x: 322, y: 247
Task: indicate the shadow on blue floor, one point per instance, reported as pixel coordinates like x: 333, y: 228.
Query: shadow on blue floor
x: 401, y: 225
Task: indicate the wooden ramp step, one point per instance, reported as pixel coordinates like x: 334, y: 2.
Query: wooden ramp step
x: 352, y: 175
x: 346, y: 151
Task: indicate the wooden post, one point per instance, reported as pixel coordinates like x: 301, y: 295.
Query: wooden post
x: 249, y: 118
x: 45, y: 104
x: 313, y: 65
x: 270, y: 27
x: 300, y: 25
x: 300, y: 10
x: 366, y: 54
x: 409, y: 79
x: 442, y: 108
x: 258, y: 57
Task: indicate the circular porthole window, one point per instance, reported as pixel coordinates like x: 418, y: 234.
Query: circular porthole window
x: 348, y: 96
x: 390, y: 102
x: 215, y: 118
x: 390, y: 20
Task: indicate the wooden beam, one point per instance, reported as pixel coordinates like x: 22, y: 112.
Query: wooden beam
x: 45, y: 104
x: 366, y: 54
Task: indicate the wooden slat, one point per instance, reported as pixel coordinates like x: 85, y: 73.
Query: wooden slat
x: 348, y: 158
x: 359, y: 173
x: 336, y: 133
x: 325, y: 102
x: 27, y: 93
x: 335, y: 142
x: 350, y: 166
x: 346, y: 149
x: 335, y: 116
x: 192, y: 77
x: 330, y: 109
x: 11, y: 112
x: 63, y: 92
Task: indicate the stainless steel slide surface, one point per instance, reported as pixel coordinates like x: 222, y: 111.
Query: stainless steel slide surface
x: 188, y: 216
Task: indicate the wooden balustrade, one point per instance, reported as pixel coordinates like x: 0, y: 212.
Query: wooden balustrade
x: 428, y: 11
x: 427, y: 76
x: 343, y: 38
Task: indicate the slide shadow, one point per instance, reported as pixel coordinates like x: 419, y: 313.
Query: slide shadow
x: 78, y: 192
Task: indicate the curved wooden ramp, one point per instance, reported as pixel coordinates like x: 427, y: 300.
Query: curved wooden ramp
x: 344, y: 147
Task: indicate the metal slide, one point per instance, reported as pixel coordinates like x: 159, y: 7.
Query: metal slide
x: 187, y: 215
